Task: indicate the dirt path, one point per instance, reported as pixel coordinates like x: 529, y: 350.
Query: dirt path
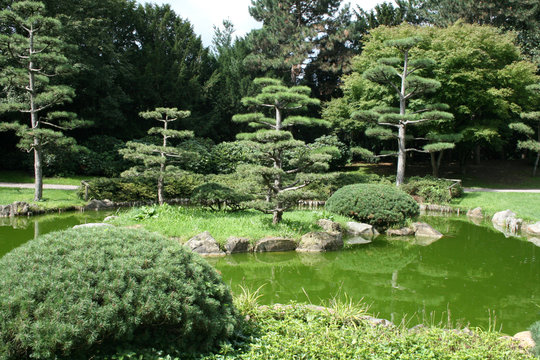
x: 31, y: 186
x: 501, y: 190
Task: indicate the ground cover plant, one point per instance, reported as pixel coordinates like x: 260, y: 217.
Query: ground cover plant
x: 376, y: 204
x: 186, y: 222
x: 300, y: 332
x: 94, y: 288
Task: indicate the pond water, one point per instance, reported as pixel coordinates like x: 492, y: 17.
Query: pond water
x: 474, y: 274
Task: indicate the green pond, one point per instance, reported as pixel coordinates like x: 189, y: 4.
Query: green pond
x: 473, y: 275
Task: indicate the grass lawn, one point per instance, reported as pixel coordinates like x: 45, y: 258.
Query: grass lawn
x: 21, y: 177
x: 525, y: 205
x: 52, y: 199
x: 186, y: 222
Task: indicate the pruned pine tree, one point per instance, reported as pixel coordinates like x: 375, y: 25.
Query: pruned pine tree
x: 438, y: 142
x: 157, y: 158
x: 533, y: 118
x: 285, y: 164
x: 401, y: 75
x: 32, y: 54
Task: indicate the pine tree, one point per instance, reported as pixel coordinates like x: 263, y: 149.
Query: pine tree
x: 34, y: 57
x: 532, y: 117
x: 286, y: 164
x: 155, y: 157
x: 398, y: 73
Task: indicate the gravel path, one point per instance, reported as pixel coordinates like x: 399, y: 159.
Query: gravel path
x: 31, y: 186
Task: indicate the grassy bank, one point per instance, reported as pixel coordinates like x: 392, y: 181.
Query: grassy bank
x: 525, y: 205
x: 52, y: 199
x: 300, y: 332
x: 186, y: 222
x: 21, y: 177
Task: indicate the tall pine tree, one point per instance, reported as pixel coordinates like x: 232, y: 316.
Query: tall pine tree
x: 34, y: 58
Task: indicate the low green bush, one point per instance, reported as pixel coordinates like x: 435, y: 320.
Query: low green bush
x: 432, y: 190
x: 73, y: 293
x: 535, y: 332
x: 216, y: 197
x: 379, y: 205
x: 141, y: 189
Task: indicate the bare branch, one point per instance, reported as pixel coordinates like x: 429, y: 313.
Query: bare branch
x: 417, y: 150
x: 53, y: 125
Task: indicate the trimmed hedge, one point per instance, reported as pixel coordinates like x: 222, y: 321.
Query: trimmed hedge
x: 382, y: 206
x: 73, y: 293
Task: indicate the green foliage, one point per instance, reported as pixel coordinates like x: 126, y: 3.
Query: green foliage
x: 93, y: 289
x: 535, y: 332
x: 217, y: 196
x: 141, y: 189
x: 432, y: 190
x: 379, y: 205
x: 227, y: 156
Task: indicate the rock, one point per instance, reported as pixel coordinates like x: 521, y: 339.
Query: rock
x: 271, y: 244
x: 329, y: 225
x: 109, y: 218
x: 5, y: 210
x: 525, y: 339
x: 357, y: 240
x: 533, y: 229
x: 19, y: 208
x: 91, y: 225
x: 360, y: 229
x: 99, y: 204
x: 424, y: 231
x: 475, y: 213
x: 500, y: 217
x: 400, y: 232
x: 320, y: 241
x: 535, y: 241
x: 376, y: 322
x: 237, y: 245
x: 204, y: 244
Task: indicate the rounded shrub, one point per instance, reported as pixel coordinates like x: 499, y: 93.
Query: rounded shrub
x: 379, y: 205
x: 78, y: 292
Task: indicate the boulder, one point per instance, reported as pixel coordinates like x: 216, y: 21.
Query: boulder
x: 320, y: 241
x: 91, y: 225
x: 357, y: 240
x: 400, y: 232
x: 525, y: 339
x: 535, y: 241
x: 271, y: 244
x: 360, y: 229
x: 329, y: 225
x: 501, y: 217
x: 109, y: 218
x: 19, y: 208
x: 204, y: 244
x: 5, y: 210
x: 475, y: 213
x: 424, y: 231
x: 99, y: 204
x: 237, y: 245
x: 533, y: 229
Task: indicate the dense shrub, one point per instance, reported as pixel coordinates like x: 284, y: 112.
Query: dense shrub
x: 535, y: 331
x: 226, y: 156
x: 340, y: 152
x: 217, y: 196
x: 103, y: 158
x: 71, y: 293
x: 141, y: 189
x: 432, y: 190
x: 322, y: 190
x: 375, y: 204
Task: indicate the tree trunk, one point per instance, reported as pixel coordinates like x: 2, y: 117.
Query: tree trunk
x: 477, y: 154
x: 536, y: 163
x: 38, y: 172
x: 160, y: 184
x: 278, y: 214
x: 402, y: 150
x: 434, y: 168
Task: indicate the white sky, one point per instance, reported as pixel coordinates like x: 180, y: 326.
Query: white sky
x: 203, y: 14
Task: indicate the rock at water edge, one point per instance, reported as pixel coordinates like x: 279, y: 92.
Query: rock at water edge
x: 425, y: 234
x: 501, y: 217
x: 329, y: 225
x: 400, y: 232
x: 204, y: 244
x: 320, y: 241
x: 272, y: 244
x: 360, y: 229
x: 475, y: 213
x: 533, y: 229
x: 236, y: 245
